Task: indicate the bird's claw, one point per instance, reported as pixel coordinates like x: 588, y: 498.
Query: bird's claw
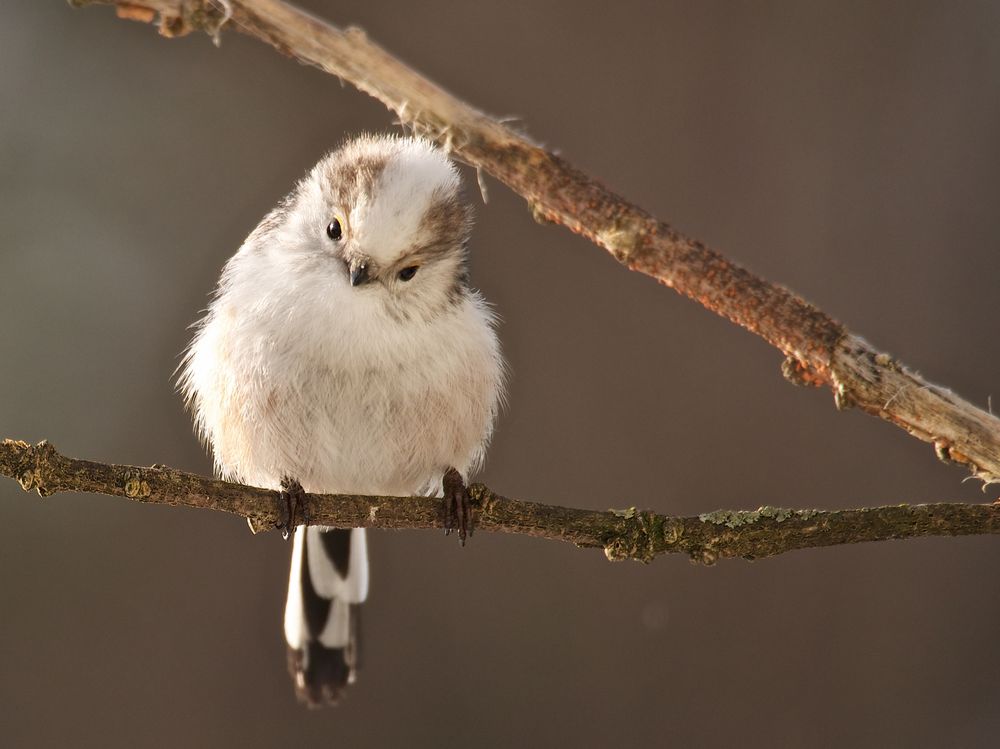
x: 457, y: 506
x: 293, y: 497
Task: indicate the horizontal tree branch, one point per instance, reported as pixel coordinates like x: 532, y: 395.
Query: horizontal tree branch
x: 623, y: 534
x: 819, y: 350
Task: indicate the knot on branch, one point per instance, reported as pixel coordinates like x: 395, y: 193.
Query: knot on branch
x: 800, y: 373
x: 541, y: 214
x: 190, y: 15
x: 640, y: 536
x: 482, y: 499
x: 31, y: 465
x: 624, y: 237
x: 135, y: 486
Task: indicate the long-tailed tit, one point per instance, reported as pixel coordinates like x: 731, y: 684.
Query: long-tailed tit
x: 345, y: 352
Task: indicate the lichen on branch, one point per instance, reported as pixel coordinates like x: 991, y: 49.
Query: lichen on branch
x: 622, y: 534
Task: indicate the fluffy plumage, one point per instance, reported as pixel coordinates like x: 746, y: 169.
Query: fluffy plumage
x: 373, y: 388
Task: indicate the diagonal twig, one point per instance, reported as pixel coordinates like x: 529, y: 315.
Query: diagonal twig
x: 819, y: 350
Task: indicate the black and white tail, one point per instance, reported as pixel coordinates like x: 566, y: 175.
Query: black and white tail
x: 327, y: 584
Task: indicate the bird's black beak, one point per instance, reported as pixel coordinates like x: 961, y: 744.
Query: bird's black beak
x: 359, y: 273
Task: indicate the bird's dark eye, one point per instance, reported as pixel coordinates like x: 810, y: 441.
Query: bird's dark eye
x: 407, y: 273
x: 334, y: 231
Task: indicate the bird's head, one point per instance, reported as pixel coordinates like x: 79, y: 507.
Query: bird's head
x: 381, y: 217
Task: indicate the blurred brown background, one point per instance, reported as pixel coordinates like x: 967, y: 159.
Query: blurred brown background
x: 848, y: 150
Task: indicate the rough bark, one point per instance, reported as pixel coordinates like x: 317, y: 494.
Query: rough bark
x: 623, y: 534
x: 819, y: 350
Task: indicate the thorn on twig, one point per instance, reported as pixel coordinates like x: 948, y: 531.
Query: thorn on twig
x: 841, y: 398
x: 481, y: 181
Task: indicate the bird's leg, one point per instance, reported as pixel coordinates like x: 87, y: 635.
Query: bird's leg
x: 457, y: 505
x: 294, y: 497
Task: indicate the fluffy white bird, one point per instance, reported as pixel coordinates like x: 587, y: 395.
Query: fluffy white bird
x: 344, y: 352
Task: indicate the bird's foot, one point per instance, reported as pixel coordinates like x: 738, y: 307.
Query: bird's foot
x: 457, y: 506
x: 293, y: 497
